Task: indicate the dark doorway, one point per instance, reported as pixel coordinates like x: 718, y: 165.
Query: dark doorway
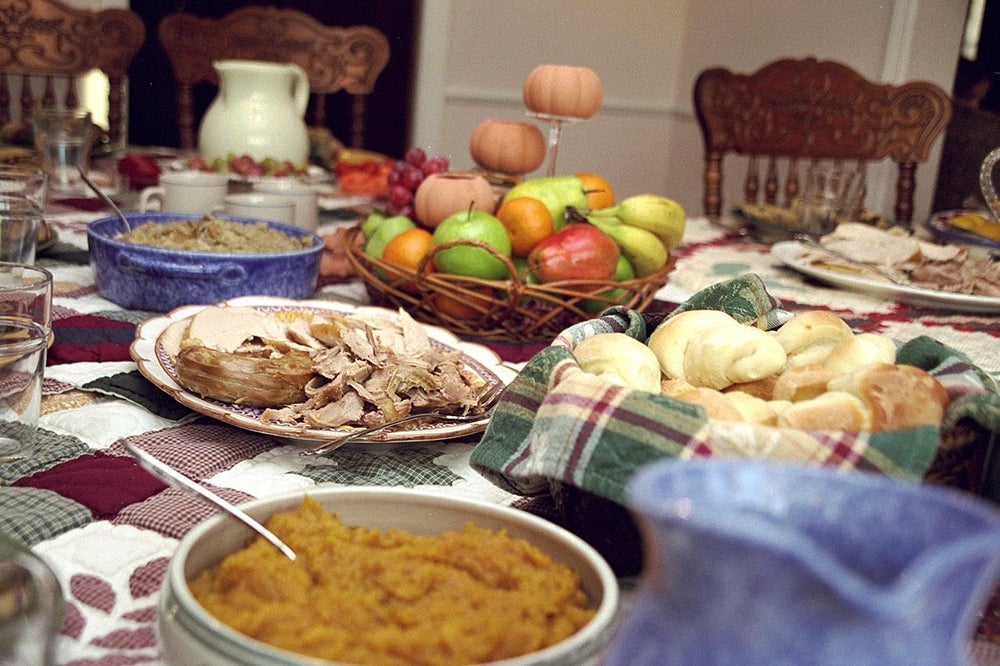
x: 974, y: 129
x: 153, y: 95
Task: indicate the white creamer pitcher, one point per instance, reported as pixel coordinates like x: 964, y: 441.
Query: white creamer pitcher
x: 258, y: 111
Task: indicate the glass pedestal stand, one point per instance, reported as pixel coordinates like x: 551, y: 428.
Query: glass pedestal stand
x: 555, y: 131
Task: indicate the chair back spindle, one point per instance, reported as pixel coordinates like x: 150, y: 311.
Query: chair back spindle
x: 807, y: 109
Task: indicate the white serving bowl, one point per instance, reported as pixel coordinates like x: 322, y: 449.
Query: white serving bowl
x: 190, y: 636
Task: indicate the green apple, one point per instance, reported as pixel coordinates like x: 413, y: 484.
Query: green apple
x: 556, y: 192
x: 623, y: 271
x: 388, y: 229
x: 471, y: 260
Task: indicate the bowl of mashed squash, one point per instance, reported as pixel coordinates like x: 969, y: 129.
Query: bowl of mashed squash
x: 166, y: 260
x: 389, y: 577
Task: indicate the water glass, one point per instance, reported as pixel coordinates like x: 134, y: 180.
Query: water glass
x: 31, y: 605
x: 63, y: 138
x: 20, y: 220
x: 24, y: 182
x: 832, y: 194
x: 26, y: 293
x: 23, y: 346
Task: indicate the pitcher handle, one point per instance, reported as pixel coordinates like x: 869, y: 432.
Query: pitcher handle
x: 986, y: 183
x: 300, y: 89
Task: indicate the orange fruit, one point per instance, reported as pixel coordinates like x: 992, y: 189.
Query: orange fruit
x: 465, y: 307
x: 600, y: 194
x: 528, y: 221
x: 406, y: 250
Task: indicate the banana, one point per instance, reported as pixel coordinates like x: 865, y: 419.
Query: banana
x: 642, y: 248
x: 657, y: 214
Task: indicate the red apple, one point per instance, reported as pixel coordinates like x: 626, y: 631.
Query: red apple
x: 578, y: 251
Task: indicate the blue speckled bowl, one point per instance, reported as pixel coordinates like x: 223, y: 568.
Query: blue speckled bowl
x: 156, y: 279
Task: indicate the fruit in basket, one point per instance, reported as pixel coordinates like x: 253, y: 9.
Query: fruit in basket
x: 657, y: 214
x: 406, y: 176
x: 469, y: 259
x: 407, y: 250
x: 646, y: 252
x: 624, y: 271
x: 576, y: 252
x: 387, y: 229
x: 556, y: 192
x: 600, y: 194
x: 528, y: 222
x: 443, y: 194
x: 469, y: 304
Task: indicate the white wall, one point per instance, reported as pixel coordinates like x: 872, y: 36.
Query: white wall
x: 475, y: 54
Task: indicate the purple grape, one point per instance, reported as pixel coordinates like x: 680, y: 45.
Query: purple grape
x: 437, y: 164
x: 400, y: 195
x: 415, y: 156
x: 393, y: 177
x: 412, y: 178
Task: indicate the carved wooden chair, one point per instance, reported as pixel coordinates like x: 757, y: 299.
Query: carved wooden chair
x: 807, y: 110
x: 335, y: 59
x: 47, y: 45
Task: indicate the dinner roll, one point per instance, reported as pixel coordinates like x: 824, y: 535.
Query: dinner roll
x: 802, y: 383
x: 834, y: 411
x: 715, y: 403
x: 669, y: 340
x: 672, y: 387
x: 732, y: 353
x: 808, y: 337
x: 898, y: 396
x: 859, y: 351
x: 621, y: 359
x: 752, y: 408
x: 760, y: 388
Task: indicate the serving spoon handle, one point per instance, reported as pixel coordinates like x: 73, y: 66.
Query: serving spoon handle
x: 175, y: 479
x: 105, y: 198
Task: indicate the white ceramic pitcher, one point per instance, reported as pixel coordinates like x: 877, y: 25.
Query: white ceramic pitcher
x: 258, y: 111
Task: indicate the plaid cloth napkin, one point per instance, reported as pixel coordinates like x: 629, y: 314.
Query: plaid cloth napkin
x: 560, y: 425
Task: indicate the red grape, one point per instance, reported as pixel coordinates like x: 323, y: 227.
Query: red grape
x: 436, y: 164
x: 412, y: 178
x: 415, y: 156
x: 400, y: 195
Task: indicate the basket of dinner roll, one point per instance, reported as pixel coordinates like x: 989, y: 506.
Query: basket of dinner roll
x: 730, y: 373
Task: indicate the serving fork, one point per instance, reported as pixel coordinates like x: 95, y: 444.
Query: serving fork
x: 485, y: 404
x: 813, y: 243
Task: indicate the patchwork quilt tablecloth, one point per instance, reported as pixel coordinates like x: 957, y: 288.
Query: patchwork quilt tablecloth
x: 108, y: 529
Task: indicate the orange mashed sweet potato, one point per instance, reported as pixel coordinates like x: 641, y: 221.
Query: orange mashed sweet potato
x: 362, y: 596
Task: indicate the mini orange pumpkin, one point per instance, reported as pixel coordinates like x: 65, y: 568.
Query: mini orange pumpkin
x: 563, y: 90
x: 507, y: 146
x: 441, y: 194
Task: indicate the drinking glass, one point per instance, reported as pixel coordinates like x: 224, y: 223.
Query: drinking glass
x: 833, y: 193
x: 20, y: 220
x: 63, y: 139
x: 23, y: 346
x: 24, y: 182
x: 31, y: 605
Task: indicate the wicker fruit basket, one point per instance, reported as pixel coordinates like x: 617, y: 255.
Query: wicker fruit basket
x: 507, y: 310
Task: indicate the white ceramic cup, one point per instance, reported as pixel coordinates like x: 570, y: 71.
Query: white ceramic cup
x: 195, y: 192
x: 260, y: 207
x: 303, y: 196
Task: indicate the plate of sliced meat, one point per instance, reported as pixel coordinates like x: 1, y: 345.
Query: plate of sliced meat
x: 316, y: 370
x: 859, y: 257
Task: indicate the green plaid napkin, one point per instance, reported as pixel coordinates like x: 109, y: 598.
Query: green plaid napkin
x: 557, y: 423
